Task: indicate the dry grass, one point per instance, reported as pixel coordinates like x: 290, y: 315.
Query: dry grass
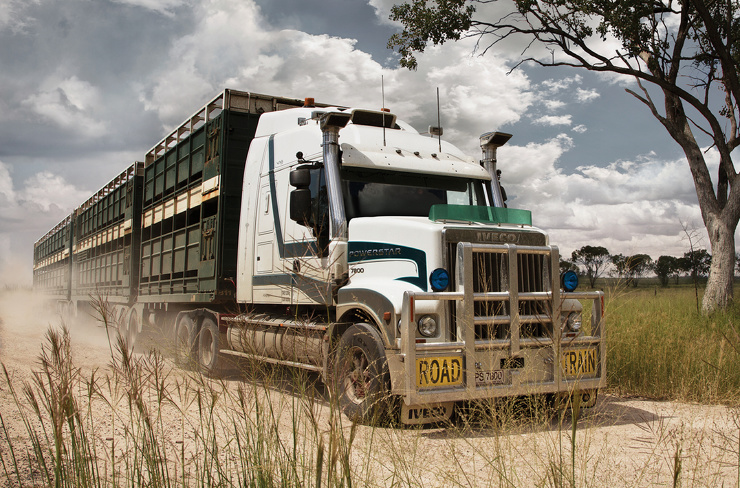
x: 138, y: 421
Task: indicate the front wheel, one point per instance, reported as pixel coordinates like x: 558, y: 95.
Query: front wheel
x: 361, y: 377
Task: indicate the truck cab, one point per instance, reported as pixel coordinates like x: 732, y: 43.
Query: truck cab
x: 420, y: 284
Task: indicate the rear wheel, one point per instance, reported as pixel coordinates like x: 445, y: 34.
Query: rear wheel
x: 131, y: 334
x: 209, y: 347
x: 185, y: 341
x: 361, y: 378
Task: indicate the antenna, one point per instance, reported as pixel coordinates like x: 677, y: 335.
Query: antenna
x: 439, y: 123
x: 382, y: 94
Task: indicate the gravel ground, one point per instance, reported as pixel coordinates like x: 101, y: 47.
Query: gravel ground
x: 620, y: 442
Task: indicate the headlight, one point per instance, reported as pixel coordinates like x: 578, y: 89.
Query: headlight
x: 428, y: 326
x: 574, y: 321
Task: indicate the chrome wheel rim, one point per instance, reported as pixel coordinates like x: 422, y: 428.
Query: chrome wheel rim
x: 357, y: 377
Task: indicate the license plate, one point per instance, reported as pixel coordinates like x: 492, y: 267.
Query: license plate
x: 439, y: 371
x: 493, y: 377
x: 578, y: 362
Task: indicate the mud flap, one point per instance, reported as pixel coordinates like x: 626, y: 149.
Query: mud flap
x: 432, y: 412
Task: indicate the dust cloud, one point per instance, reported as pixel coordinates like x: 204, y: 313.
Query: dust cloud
x: 25, y: 318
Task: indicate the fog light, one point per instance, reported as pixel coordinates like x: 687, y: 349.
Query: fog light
x: 569, y: 280
x: 439, y: 279
x: 428, y: 326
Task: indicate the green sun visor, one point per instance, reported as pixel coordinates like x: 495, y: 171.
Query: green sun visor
x: 485, y: 215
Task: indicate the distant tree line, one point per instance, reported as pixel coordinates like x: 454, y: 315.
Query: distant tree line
x: 594, y: 262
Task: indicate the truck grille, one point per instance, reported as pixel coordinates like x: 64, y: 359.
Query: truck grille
x: 491, y: 274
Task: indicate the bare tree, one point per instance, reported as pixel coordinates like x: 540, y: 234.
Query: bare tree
x: 684, y: 56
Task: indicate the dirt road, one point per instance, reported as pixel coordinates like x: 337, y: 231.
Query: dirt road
x: 621, y: 442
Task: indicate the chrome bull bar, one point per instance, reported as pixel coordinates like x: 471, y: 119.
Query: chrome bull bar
x: 471, y: 349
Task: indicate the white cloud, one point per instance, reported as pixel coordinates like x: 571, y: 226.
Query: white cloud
x: 7, y: 193
x: 553, y: 105
x: 552, y: 87
x: 27, y: 213
x: 165, y: 7
x: 476, y: 93
x: 48, y: 190
x: 42, y: 192
x: 586, y: 95
x: 610, y: 205
x: 70, y: 103
x: 12, y: 14
x: 383, y: 10
x: 553, y: 120
x: 628, y: 206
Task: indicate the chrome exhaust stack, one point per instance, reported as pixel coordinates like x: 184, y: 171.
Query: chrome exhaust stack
x: 489, y: 142
x: 330, y: 124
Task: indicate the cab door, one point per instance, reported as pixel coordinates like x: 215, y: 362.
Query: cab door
x: 267, y: 283
x: 306, y: 247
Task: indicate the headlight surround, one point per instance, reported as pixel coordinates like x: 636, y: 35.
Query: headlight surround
x: 427, y: 326
x: 574, y: 321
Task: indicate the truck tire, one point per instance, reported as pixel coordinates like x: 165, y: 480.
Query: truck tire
x: 361, y: 378
x: 209, y: 347
x: 131, y: 333
x: 185, y: 342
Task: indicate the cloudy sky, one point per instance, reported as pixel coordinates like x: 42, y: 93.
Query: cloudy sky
x: 89, y: 86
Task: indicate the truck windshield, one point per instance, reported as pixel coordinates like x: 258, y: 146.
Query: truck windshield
x: 369, y: 193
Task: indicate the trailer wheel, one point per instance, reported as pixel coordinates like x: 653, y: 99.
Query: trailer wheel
x: 209, y: 347
x: 361, y: 376
x: 185, y: 342
x: 131, y: 333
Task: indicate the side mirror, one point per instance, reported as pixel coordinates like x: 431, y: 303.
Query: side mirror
x: 300, y: 178
x: 300, y: 198
x: 300, y: 206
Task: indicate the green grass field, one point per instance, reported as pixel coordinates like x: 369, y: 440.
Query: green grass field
x: 660, y: 347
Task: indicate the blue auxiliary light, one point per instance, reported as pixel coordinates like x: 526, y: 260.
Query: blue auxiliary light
x: 569, y: 280
x: 439, y: 279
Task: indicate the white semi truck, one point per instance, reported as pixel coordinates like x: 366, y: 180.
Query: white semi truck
x: 338, y: 240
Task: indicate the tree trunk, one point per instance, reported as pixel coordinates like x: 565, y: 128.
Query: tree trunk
x: 720, y: 214
x: 718, y: 293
